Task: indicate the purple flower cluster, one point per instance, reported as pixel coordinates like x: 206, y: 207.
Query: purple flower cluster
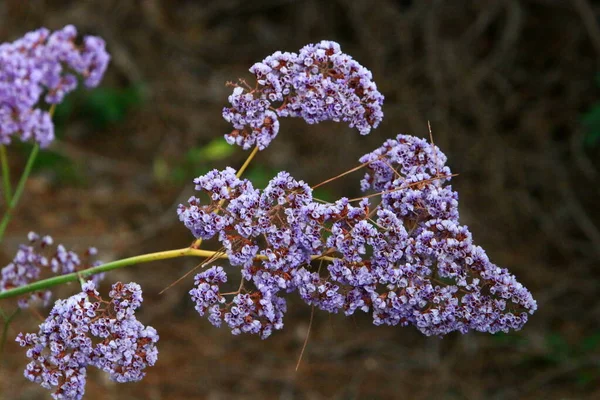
x: 44, y: 64
x: 258, y: 312
x: 206, y: 293
x: 37, y: 259
x: 320, y: 83
x: 416, y: 179
x: 407, y: 261
x: 84, y: 330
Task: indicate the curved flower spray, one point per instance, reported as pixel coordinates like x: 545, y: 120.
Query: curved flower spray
x: 320, y: 83
x: 407, y: 261
x: 398, y: 253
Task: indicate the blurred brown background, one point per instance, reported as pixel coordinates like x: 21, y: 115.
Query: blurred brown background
x: 509, y: 88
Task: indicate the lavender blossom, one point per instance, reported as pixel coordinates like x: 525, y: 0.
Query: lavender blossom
x: 41, y: 66
x: 37, y: 260
x: 407, y: 262
x: 318, y: 291
x: 127, y: 346
x: 206, y: 293
x: 85, y: 330
x: 61, y: 350
x: 320, y: 83
x: 275, y: 215
x: 256, y: 313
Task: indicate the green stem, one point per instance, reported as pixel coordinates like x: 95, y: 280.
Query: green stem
x: 161, y: 255
x: 247, y: 162
x: 198, y: 242
x: 57, y: 280
x: 5, y: 174
x: 22, y: 181
x: 19, y: 190
x: 7, y: 321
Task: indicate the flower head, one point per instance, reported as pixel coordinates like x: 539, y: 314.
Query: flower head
x: 85, y: 330
x: 37, y: 260
x: 43, y: 65
x: 408, y: 261
x: 320, y: 83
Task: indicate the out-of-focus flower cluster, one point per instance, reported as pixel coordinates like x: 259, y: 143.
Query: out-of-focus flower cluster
x: 39, y: 259
x: 320, y: 83
x: 44, y: 65
x: 85, y: 330
x: 407, y: 261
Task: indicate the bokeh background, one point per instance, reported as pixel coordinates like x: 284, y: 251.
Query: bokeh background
x: 512, y: 91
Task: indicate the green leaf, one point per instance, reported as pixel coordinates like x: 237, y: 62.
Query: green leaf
x: 65, y: 169
x: 179, y: 174
x: 160, y: 169
x: 597, y: 79
x: 259, y: 176
x: 558, y: 349
x: 63, y: 111
x: 215, y: 150
x: 590, y: 343
x: 105, y: 106
x: 591, y: 122
x: 585, y: 377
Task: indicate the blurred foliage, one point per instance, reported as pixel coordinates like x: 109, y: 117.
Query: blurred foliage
x: 195, y: 162
x: 591, y: 122
x: 260, y: 175
x: 513, y: 339
x: 215, y: 150
x: 98, y: 108
x: 559, y: 351
x: 198, y: 161
x: 64, y: 169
